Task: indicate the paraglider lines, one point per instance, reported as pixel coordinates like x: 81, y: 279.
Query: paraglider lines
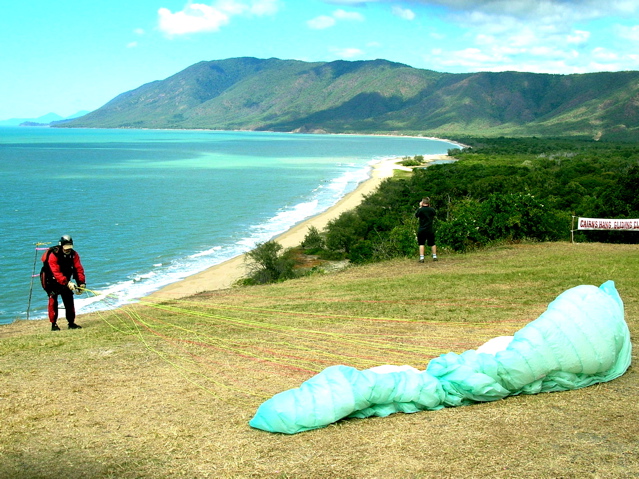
x: 362, y: 342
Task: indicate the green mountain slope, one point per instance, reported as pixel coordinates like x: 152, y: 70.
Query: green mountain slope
x: 376, y: 96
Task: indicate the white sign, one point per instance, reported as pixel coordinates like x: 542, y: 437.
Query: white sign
x: 608, y: 224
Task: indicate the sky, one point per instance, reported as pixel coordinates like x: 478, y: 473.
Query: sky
x: 63, y: 57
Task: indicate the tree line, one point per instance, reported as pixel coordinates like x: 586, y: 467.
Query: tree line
x: 500, y: 189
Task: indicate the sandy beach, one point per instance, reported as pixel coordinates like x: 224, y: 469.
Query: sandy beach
x: 223, y: 275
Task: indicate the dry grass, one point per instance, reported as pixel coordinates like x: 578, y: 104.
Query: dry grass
x: 167, y: 390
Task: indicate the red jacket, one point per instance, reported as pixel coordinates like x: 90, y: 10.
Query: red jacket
x: 64, y: 267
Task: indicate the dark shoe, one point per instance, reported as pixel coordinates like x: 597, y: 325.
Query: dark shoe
x: 421, y: 260
x: 74, y: 326
x: 55, y: 327
x: 434, y: 258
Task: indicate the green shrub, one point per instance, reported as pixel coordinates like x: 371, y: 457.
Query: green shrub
x: 417, y: 160
x: 344, y: 232
x: 463, y: 231
x: 313, y: 241
x: 516, y: 217
x: 268, y: 265
x: 361, y: 252
x: 401, y: 241
x: 500, y: 217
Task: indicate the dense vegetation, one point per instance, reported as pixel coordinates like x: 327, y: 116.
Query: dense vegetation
x: 501, y: 189
x: 376, y: 96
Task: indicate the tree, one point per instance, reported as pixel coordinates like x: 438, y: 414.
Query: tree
x: 313, y: 241
x: 267, y: 265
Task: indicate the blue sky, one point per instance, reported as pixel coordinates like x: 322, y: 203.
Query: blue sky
x: 76, y: 55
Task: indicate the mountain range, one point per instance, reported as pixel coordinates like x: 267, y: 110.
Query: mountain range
x: 44, y: 120
x: 376, y: 96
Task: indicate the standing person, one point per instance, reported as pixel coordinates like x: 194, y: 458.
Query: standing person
x: 61, y: 264
x: 426, y: 233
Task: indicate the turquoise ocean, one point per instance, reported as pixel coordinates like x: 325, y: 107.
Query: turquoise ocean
x: 147, y: 208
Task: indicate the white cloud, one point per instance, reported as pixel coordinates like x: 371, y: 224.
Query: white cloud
x: 483, y: 39
x: 132, y: 45
x: 195, y: 17
x: 347, y: 52
x: 321, y: 22
x: 265, y: 7
x: 231, y: 7
x: 502, y: 57
x: 542, y: 58
x: 579, y: 36
x: 544, y: 17
x: 488, y: 24
x: 508, y: 44
x: 325, y: 21
x: 474, y: 58
x: 344, y: 15
x: 602, y: 54
x: 553, y: 53
x: 405, y: 13
x: 349, y: 2
x: 525, y: 37
x: 629, y: 33
x: 534, y: 10
x: 552, y: 36
x: 255, y: 7
x: 139, y: 31
x: 198, y: 17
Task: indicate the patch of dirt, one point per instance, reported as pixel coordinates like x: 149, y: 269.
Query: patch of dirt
x: 310, y: 261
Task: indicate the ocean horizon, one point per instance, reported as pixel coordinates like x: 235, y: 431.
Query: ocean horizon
x: 147, y: 208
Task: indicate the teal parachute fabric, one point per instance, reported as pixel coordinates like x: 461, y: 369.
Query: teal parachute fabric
x: 580, y: 340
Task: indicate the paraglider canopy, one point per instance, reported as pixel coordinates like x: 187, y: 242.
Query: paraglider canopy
x: 580, y: 340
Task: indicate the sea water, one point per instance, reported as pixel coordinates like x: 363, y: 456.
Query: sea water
x: 147, y: 208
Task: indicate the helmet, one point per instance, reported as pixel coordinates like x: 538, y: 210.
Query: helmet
x: 66, y: 239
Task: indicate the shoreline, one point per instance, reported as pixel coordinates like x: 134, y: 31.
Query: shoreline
x: 223, y: 275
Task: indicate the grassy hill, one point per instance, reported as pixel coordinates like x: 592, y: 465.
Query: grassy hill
x: 376, y: 96
x: 166, y: 390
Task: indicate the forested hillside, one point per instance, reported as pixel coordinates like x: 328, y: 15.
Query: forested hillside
x: 377, y: 96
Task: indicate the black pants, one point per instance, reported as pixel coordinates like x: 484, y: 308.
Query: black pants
x: 67, y: 300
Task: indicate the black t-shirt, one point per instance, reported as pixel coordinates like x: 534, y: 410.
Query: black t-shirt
x: 426, y: 215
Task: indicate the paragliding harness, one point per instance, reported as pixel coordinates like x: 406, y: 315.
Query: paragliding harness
x: 48, y: 282
x: 46, y: 275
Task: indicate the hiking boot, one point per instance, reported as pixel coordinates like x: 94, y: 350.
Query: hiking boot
x: 74, y: 326
x: 55, y: 327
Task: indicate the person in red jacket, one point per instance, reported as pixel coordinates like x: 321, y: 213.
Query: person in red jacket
x: 61, y: 265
